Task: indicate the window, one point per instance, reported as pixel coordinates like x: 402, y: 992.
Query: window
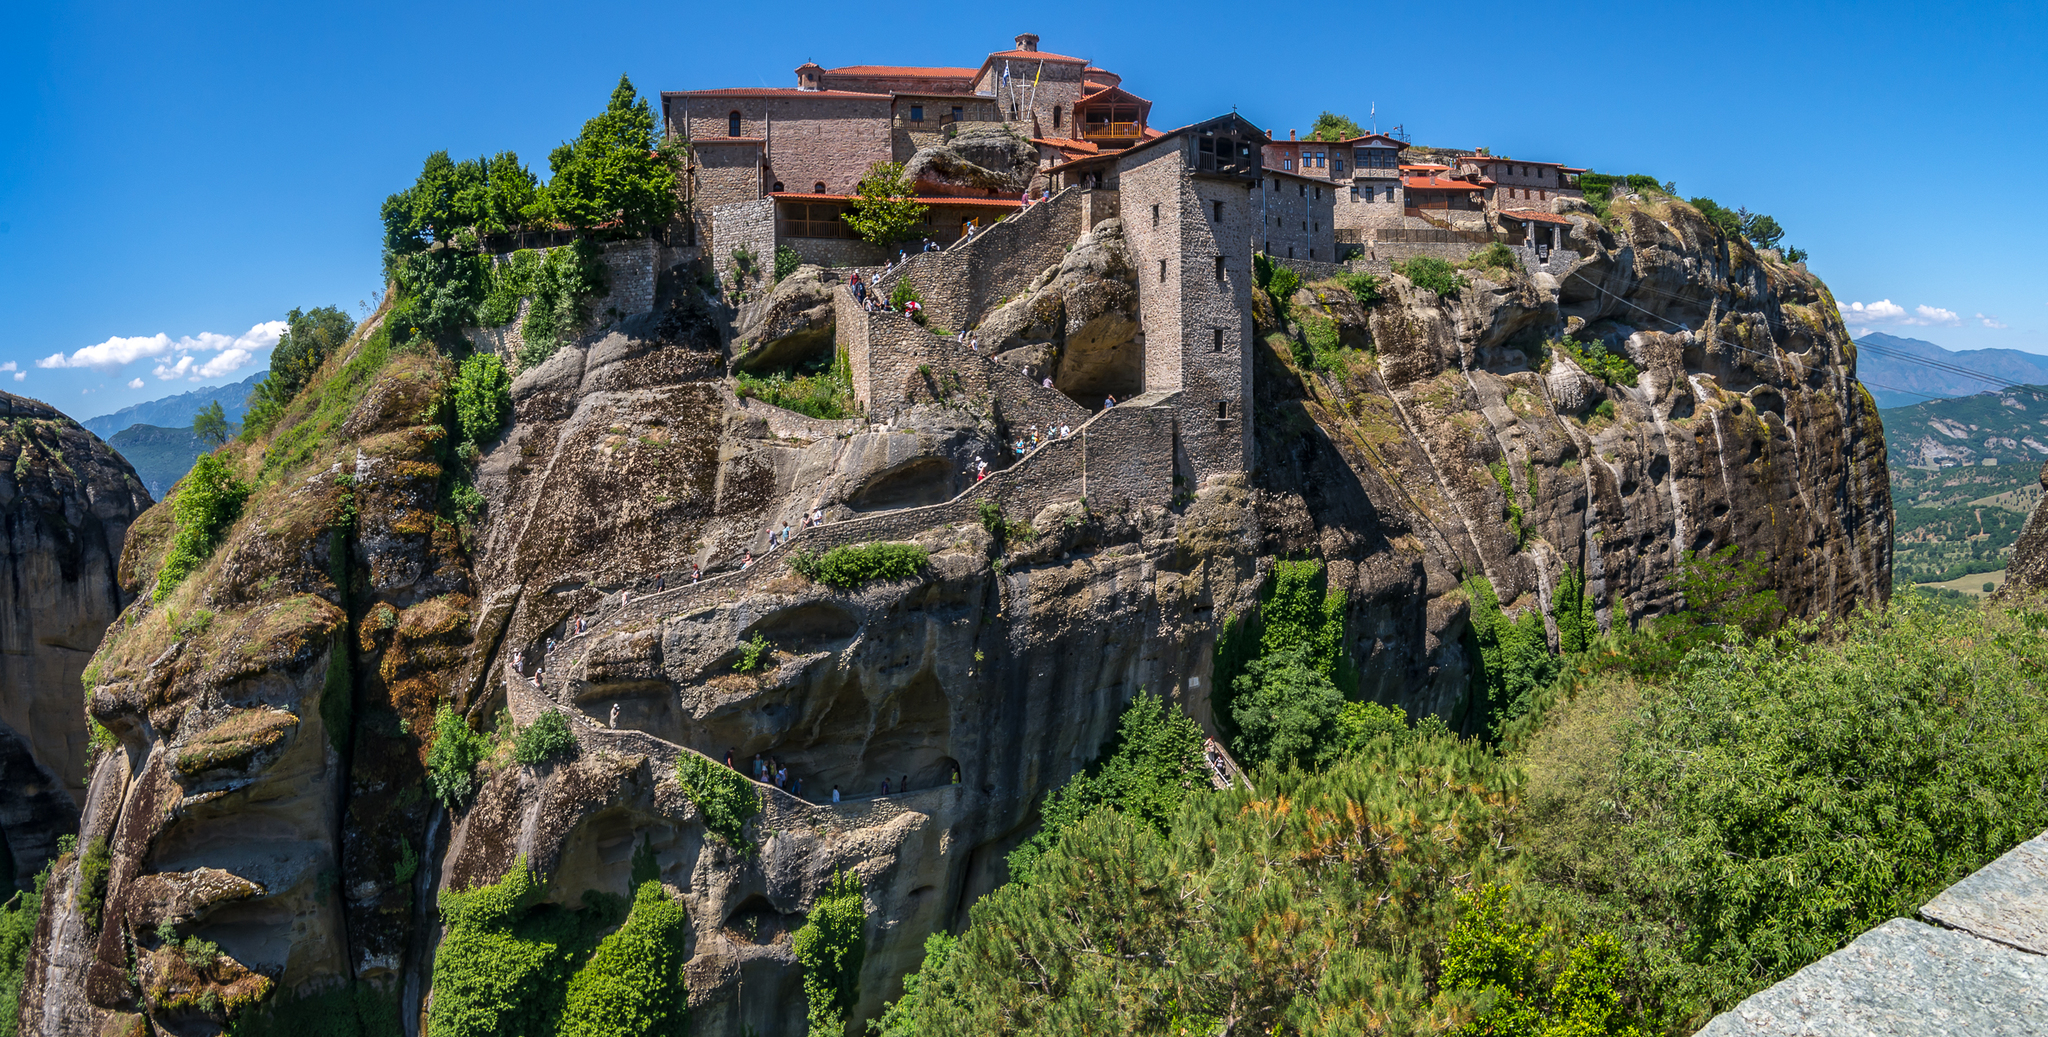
x: 1218, y: 347
x: 1320, y: 160
x: 957, y: 113
x: 1219, y: 268
x: 1222, y: 410
x: 1055, y: 116
x: 1303, y: 189
x: 1319, y: 192
x: 732, y: 125
x: 814, y: 221
x: 1290, y: 251
x: 917, y: 113
x: 818, y: 188
x: 1543, y: 196
x: 1304, y: 225
x: 1013, y: 113
x: 1162, y: 271
x: 1337, y: 166
x: 777, y: 188
x: 1155, y: 214
x: 1219, y: 210
x: 1390, y: 192
x: 1287, y: 163
x: 1354, y: 194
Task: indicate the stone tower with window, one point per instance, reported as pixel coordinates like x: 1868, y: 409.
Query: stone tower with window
x: 1187, y: 201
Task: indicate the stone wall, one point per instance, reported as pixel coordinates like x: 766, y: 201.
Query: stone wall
x: 1098, y: 204
x: 964, y: 281
x: 1359, y: 213
x: 1295, y: 217
x: 631, y: 268
x: 897, y: 363
x: 722, y: 174
x: 836, y: 251
x: 748, y: 225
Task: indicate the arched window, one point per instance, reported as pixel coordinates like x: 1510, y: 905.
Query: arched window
x: 818, y: 188
x: 1055, y: 116
x: 777, y: 189
x: 732, y: 125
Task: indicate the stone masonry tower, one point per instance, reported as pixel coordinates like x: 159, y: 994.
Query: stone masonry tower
x: 1186, y: 200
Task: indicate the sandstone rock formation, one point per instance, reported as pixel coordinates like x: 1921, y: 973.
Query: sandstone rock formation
x: 793, y: 322
x: 976, y: 160
x: 2029, y: 565
x: 66, y: 501
x: 267, y: 792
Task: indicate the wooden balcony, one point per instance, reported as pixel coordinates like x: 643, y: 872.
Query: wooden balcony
x: 1112, y: 131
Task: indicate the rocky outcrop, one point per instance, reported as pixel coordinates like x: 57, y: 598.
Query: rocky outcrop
x: 2029, y: 565
x: 66, y: 502
x: 983, y: 159
x: 1409, y: 440
x: 792, y: 323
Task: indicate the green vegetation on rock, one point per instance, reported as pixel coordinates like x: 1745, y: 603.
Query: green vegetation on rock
x: 547, y: 739
x: 831, y: 946
x: 453, y: 757
x: 633, y: 985
x: 819, y: 387
x: 483, y: 397
x: 509, y: 961
x: 885, y: 209
x: 17, y: 932
x: 1596, y: 360
x: 1432, y: 274
x: 310, y: 337
x: 208, y: 502
x: 724, y: 797
x: 851, y: 565
x: 94, y: 867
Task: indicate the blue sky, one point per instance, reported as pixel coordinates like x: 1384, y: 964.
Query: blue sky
x: 173, y: 181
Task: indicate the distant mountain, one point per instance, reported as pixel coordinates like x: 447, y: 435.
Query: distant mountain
x: 1894, y: 373
x: 161, y: 456
x: 1965, y: 474
x: 2003, y: 427
x: 173, y: 412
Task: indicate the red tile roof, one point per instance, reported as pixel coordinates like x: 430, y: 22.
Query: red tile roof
x: 1534, y: 216
x: 1422, y: 165
x: 1438, y: 183
x: 807, y: 196
x: 1035, y: 55
x: 770, y: 91
x: 903, y: 71
x: 724, y: 141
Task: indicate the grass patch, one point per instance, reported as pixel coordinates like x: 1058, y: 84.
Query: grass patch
x: 316, y: 417
x: 1433, y: 274
x: 821, y: 389
x: 849, y: 566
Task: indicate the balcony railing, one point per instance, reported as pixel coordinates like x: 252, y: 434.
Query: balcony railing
x: 1111, y: 130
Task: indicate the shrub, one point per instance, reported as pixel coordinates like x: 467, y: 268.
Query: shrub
x: 1575, y: 609
x: 885, y: 208
x: 1432, y: 274
x: 1285, y: 711
x: 452, y: 759
x: 1151, y: 767
x: 466, y: 499
x: 1368, y: 288
x: 309, y: 339
x: 17, y: 933
x: 93, y: 869
x: 1282, y: 286
x: 634, y: 984
x: 904, y: 293
x: 786, y: 261
x: 831, y: 946
x: 208, y: 502
x: 1610, y: 367
x: 562, y: 288
x: 1495, y: 256
x: 725, y: 798
x: 1604, y: 409
x: 483, y: 397
x: 752, y: 653
x: 849, y: 566
x: 1512, y: 657
x: 547, y: 738
x: 991, y: 515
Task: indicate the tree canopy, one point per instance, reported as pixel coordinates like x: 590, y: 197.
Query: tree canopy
x: 1331, y: 126
x: 612, y: 172
x: 885, y: 208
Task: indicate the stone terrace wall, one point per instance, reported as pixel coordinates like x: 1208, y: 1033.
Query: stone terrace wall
x: 964, y: 281
x: 632, y: 268
x: 836, y: 251
x: 748, y: 225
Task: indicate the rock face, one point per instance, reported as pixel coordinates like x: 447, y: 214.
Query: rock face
x: 66, y: 501
x: 267, y: 792
x: 976, y: 160
x: 2029, y: 566
x: 792, y: 323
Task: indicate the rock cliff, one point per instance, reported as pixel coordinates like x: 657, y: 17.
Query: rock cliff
x: 66, y: 501
x: 267, y: 792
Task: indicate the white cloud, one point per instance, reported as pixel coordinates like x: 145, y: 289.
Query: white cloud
x: 134, y: 383
x: 1990, y: 322
x: 1885, y: 311
x: 8, y: 366
x: 120, y: 351
x: 19, y: 375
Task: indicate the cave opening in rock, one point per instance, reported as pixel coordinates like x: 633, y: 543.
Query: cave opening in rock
x: 926, y: 480
x: 757, y: 921
x: 1104, y: 359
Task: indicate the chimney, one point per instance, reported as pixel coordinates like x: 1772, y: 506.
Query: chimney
x: 1027, y: 41
x: 1290, y: 134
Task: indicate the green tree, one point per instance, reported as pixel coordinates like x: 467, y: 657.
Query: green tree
x: 483, y: 397
x: 509, y: 960
x: 210, y: 425
x: 612, y: 172
x: 1576, y: 611
x: 885, y: 208
x: 830, y: 947
x: 725, y: 798
x: 17, y: 932
x: 1331, y: 126
x: 1152, y: 766
x: 310, y: 337
x: 547, y: 738
x: 633, y: 985
x: 1761, y: 230
x: 452, y: 758
x: 1512, y: 657
x: 1286, y: 711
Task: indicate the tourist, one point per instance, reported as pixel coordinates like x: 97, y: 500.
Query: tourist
x: 728, y: 759
x: 799, y: 788
x: 615, y: 716
x: 660, y: 583
x: 817, y: 517
x: 550, y: 650
x: 758, y: 765
x: 885, y: 786
x: 1048, y: 381
x: 625, y: 598
x: 1108, y: 402
x: 905, y: 787
x: 782, y: 778
x: 747, y: 562
x: 1065, y: 431
x: 956, y: 774
x: 695, y: 572
x: 835, y: 793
